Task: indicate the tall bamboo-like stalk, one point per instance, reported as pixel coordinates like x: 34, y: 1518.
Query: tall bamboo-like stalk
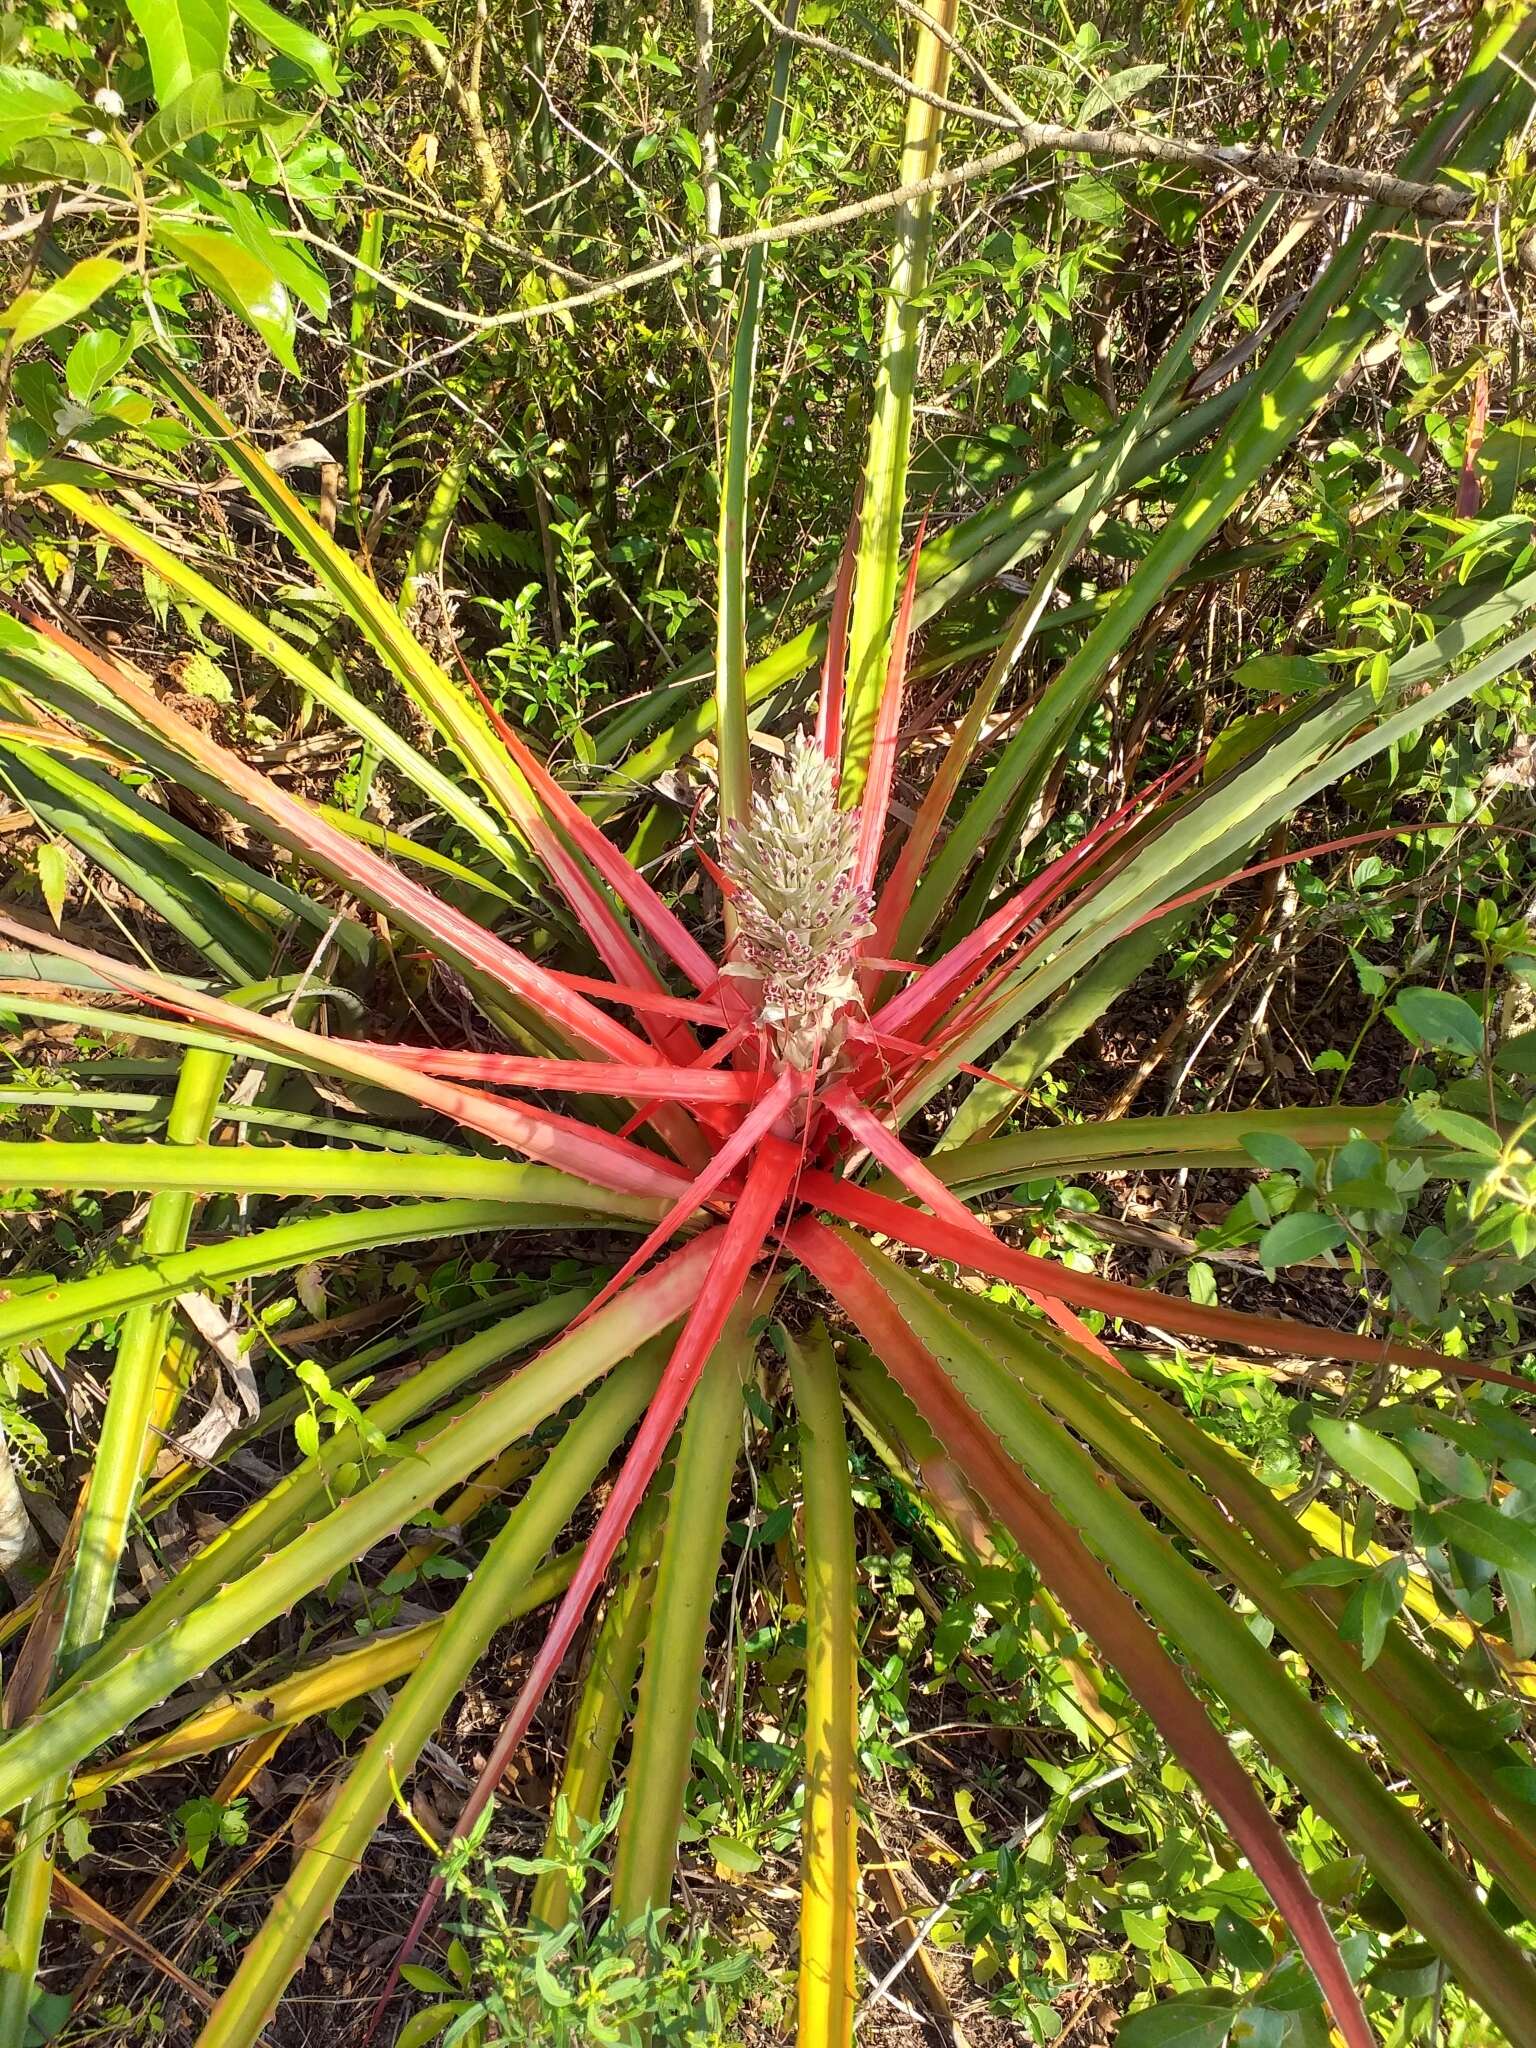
x: 890, y: 428
x: 731, y: 618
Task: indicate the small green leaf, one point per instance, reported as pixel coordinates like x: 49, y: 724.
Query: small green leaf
x: 732, y: 1855
x: 1328, y: 1571
x: 53, y: 874
x: 1281, y: 1154
x: 1302, y: 1235
x: 35, y: 313
x: 1372, y: 1607
x: 1499, y: 1539
x: 1434, y: 1017
x: 1093, y: 198
x: 1368, y: 1457
x: 404, y: 19
x: 310, y: 52
x: 95, y: 359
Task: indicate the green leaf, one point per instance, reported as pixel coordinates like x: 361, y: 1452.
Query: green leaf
x: 53, y: 874
x: 1328, y: 1571
x: 1372, y: 1608
x: 1433, y: 1017
x: 35, y: 313
x: 65, y: 159
x: 733, y: 1855
x: 241, y: 280
x: 404, y: 19
x: 1499, y: 1539
x: 1203, y: 2020
x: 1281, y: 1155
x: 1368, y: 1457
x: 310, y: 52
x: 1281, y: 675
x: 97, y: 356
x: 31, y: 103
x: 207, y: 107
x: 1298, y: 1237
x: 1093, y: 198
x: 1469, y: 1132
x: 186, y: 40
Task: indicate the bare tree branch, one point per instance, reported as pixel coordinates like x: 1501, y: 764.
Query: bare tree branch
x: 1277, y: 169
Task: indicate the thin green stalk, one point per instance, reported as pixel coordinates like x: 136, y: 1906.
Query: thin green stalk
x: 731, y: 616
x: 365, y: 290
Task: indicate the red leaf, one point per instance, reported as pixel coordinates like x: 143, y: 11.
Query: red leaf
x: 736, y: 1249
x: 876, y: 801
x: 985, y: 1254
x: 579, y: 1077
x: 829, y: 707
x: 540, y: 1134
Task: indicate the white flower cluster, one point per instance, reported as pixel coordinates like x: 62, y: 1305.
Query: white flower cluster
x: 800, y: 916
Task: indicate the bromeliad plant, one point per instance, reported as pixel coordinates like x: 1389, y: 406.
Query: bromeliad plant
x: 762, y: 1100
x: 810, y: 1097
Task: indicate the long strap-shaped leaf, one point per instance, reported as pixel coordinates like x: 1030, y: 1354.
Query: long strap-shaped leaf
x: 666, y: 1716
x: 336, y: 1850
x: 298, y: 825
x: 829, y: 1879
x: 1096, y: 1603
x: 536, y: 1133
x: 411, y: 1411
x: 1335, y: 1777
x: 1445, y: 1782
x: 111, y: 1491
x: 735, y: 1251
x: 985, y: 1254
x: 101, y: 1707
x: 892, y: 1153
